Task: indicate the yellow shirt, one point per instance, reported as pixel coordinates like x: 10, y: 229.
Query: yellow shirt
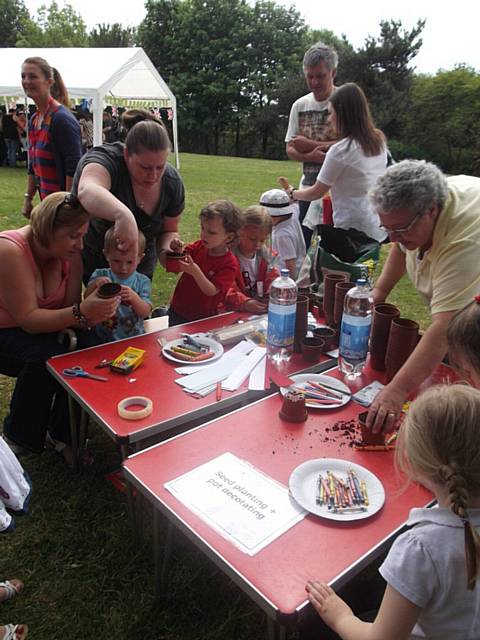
x: 448, y: 275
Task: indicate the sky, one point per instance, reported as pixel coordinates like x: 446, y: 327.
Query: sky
x: 449, y: 37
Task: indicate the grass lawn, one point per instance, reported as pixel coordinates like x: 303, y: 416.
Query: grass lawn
x: 84, y: 577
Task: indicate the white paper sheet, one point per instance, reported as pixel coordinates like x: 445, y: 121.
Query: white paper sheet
x: 256, y: 382
x: 242, y: 504
x: 211, y: 374
x: 238, y: 376
x: 243, y: 347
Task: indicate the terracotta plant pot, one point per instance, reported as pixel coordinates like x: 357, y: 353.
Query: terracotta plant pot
x: 341, y: 289
x: 367, y: 436
x: 329, y: 282
x: 312, y: 349
x: 171, y: 261
x: 300, y: 322
x: 329, y: 337
x: 383, y: 315
x: 402, y: 341
x: 293, y: 407
x: 109, y: 290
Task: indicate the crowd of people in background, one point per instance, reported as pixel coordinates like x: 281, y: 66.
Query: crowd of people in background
x: 111, y: 213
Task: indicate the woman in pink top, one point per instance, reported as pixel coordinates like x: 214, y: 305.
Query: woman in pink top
x: 40, y: 292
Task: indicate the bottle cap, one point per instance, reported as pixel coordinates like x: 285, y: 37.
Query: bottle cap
x: 361, y: 282
x: 285, y: 273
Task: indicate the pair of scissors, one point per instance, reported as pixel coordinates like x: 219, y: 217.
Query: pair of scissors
x: 79, y: 372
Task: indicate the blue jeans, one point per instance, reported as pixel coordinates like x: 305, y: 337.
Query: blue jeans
x: 12, y: 148
x: 38, y: 402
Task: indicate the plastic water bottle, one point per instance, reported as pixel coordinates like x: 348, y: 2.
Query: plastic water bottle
x: 281, y: 317
x: 355, y: 329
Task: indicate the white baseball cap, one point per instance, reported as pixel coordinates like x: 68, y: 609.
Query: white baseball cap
x: 277, y: 202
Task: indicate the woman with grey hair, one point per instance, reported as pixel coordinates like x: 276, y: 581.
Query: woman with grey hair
x: 433, y: 223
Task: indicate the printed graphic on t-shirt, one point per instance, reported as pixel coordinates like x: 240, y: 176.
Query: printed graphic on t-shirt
x: 314, y: 126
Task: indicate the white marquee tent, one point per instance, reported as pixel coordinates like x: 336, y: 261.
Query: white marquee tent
x: 107, y: 75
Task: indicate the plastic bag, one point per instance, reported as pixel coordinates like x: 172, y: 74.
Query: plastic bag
x: 14, y: 487
x: 349, y: 252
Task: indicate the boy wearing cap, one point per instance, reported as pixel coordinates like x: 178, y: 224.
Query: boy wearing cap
x: 287, y: 236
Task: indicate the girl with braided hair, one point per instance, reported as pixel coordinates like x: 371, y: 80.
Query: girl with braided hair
x: 431, y: 569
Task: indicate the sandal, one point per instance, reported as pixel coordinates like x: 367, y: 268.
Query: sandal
x: 67, y: 451
x: 12, y: 588
x: 14, y: 631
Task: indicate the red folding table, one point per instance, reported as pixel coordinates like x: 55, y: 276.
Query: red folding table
x: 331, y: 551
x: 172, y: 407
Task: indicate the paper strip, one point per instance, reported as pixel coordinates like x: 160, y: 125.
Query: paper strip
x: 243, y: 370
x: 243, y: 347
x: 256, y: 382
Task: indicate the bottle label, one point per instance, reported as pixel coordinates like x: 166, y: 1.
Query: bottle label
x: 281, y: 324
x: 354, y: 336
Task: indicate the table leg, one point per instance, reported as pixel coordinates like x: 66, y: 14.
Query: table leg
x: 161, y: 563
x: 73, y: 432
x: 82, y: 435
x: 275, y: 630
x: 132, y: 512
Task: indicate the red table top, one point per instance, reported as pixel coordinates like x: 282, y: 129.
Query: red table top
x: 314, y: 548
x: 172, y: 407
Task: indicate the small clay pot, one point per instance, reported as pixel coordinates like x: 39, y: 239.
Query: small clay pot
x: 402, y: 341
x: 329, y: 337
x: 383, y: 315
x: 300, y: 322
x: 367, y: 436
x: 341, y: 289
x: 329, y: 282
x: 171, y: 261
x: 293, y: 407
x: 312, y: 349
x: 109, y: 290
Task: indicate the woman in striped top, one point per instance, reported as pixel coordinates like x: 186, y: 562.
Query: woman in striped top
x: 54, y: 136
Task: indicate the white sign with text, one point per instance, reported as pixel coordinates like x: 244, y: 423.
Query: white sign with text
x: 245, y: 506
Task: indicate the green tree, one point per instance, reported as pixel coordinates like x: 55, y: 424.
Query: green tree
x: 112, y: 35
x: 14, y: 20
x: 444, y: 120
x: 223, y: 60
x: 55, y: 27
x: 382, y: 68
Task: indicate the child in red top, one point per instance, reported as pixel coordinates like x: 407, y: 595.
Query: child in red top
x: 256, y: 271
x: 209, y: 267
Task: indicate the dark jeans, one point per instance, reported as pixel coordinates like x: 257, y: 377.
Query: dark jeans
x: 12, y: 148
x: 302, y: 212
x: 38, y: 402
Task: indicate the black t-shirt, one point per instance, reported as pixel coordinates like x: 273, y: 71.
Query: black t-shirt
x: 172, y: 202
x: 9, y: 127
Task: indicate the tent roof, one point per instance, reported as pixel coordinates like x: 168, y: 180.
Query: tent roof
x: 125, y: 72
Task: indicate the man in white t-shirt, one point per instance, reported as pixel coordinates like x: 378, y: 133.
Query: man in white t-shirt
x: 309, y: 136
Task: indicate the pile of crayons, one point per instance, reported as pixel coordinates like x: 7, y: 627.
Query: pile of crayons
x: 342, y: 495
x: 317, y: 393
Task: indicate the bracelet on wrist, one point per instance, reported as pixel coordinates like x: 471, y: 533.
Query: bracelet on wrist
x: 79, y: 318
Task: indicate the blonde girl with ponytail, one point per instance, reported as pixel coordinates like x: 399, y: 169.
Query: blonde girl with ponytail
x: 432, y: 569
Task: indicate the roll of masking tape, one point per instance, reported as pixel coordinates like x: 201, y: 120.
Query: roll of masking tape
x: 134, y: 414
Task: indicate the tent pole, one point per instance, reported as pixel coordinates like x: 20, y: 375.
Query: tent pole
x: 97, y: 112
x: 175, y: 133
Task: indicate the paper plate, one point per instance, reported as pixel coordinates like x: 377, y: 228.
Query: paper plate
x: 213, y: 345
x: 303, y: 485
x: 302, y: 379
